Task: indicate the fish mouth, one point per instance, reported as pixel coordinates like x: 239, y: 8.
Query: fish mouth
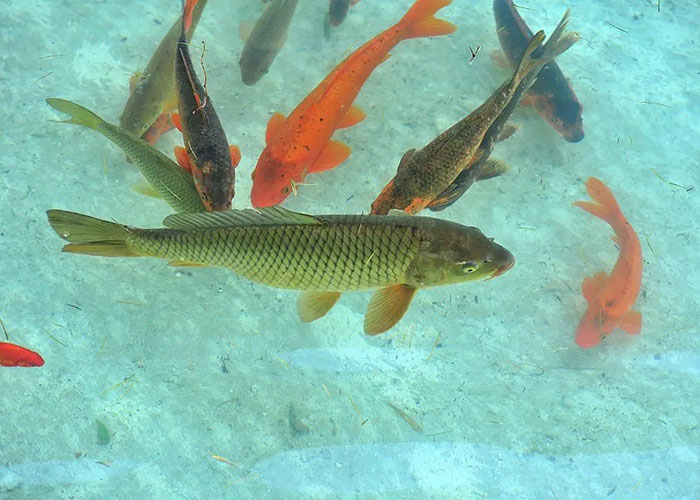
x: 502, y: 269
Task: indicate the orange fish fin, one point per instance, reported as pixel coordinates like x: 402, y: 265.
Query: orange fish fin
x: 159, y: 127
x: 187, y: 14
x: 604, y: 205
x: 592, y: 285
x: 331, y: 156
x: 419, y: 20
x: 175, y: 118
x: 182, y: 159
x: 185, y: 263
x: 386, y: 307
x: 353, y: 116
x: 631, y: 323
x: 274, y: 125
x: 235, y: 155
x: 314, y: 305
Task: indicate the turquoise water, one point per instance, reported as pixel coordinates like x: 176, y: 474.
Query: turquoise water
x: 184, y: 365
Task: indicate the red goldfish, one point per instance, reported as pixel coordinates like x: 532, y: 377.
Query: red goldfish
x: 15, y: 355
x: 301, y: 143
x: 610, y: 298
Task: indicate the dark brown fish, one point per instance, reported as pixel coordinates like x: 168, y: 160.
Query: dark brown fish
x: 551, y: 94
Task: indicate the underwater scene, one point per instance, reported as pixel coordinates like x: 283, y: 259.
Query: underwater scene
x: 313, y: 249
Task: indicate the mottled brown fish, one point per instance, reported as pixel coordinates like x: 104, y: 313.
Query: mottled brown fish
x: 207, y: 154
x: 423, y: 175
x: 321, y: 255
x: 153, y: 91
x: 265, y: 40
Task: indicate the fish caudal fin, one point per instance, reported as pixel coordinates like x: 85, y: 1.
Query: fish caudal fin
x: 604, y: 205
x: 78, y: 114
x: 386, y: 307
x: 420, y: 21
x: 90, y: 236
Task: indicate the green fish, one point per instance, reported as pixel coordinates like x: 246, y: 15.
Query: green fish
x: 168, y: 179
x: 321, y: 255
x: 154, y: 91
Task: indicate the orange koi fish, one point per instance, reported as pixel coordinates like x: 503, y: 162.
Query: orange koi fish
x: 15, y: 355
x: 206, y: 154
x: 301, y: 143
x: 610, y: 298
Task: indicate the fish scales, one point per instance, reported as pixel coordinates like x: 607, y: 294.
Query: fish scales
x: 345, y: 254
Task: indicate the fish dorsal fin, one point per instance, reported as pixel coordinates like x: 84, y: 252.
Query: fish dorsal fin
x: 274, y: 125
x: 272, y: 216
x: 405, y: 159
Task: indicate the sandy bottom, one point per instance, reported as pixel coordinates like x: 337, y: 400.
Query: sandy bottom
x: 183, y: 366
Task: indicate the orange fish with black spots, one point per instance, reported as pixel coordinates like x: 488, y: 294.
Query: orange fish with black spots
x: 301, y: 143
x: 610, y: 298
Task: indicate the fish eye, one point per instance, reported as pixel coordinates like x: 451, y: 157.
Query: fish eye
x: 468, y: 267
x: 286, y: 190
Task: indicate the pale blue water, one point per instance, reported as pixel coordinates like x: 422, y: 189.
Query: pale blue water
x: 182, y: 365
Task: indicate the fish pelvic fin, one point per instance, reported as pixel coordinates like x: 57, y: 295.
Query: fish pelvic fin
x: 387, y: 306
x: 78, y: 114
x: 604, y: 206
x: 420, y: 20
x: 313, y: 305
x: 89, y: 235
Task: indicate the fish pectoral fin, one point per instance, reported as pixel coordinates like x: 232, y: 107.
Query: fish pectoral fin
x: 592, y: 285
x: 185, y: 263
x: 145, y: 188
x: 331, y: 156
x: 631, y: 323
x: 274, y: 125
x: 353, y: 116
x: 175, y: 118
x: 508, y: 130
x: 182, y: 159
x: 313, y: 305
x: 245, y: 29
x: 492, y: 168
x: 235, y: 155
x: 386, y: 307
x: 405, y: 159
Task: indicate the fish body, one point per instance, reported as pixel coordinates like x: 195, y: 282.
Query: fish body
x: 422, y: 175
x: 208, y: 156
x: 156, y: 85
x: 170, y: 181
x: 320, y: 255
x: 301, y: 143
x: 337, y: 11
x: 266, y: 40
x: 15, y: 355
x: 610, y: 298
x: 551, y: 93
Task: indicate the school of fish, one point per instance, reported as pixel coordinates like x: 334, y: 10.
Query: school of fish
x: 391, y: 250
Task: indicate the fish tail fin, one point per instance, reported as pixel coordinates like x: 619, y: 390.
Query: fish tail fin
x: 560, y: 40
x: 90, y: 236
x: 78, y: 114
x: 537, y: 55
x: 604, y: 205
x: 420, y: 21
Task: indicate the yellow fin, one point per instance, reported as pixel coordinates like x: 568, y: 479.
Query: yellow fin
x: 185, y: 263
x: 314, y: 305
x: 353, y: 116
x: 144, y: 187
x: 386, y: 307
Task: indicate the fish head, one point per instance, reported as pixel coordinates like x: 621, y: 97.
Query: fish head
x: 273, y: 181
x: 454, y: 254
x: 214, y: 185
x: 592, y: 327
x: 567, y: 119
